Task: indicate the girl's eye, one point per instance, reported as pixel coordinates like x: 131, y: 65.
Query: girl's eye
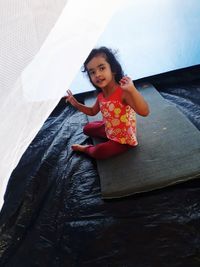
x: 91, y: 72
x: 102, y: 68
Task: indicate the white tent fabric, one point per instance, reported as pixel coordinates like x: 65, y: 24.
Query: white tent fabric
x: 34, y: 72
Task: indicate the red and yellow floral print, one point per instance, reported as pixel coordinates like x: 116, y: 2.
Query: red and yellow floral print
x: 119, y: 119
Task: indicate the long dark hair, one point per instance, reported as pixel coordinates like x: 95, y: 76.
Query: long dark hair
x: 110, y: 57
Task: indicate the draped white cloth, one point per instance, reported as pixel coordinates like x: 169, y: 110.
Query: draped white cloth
x: 42, y: 46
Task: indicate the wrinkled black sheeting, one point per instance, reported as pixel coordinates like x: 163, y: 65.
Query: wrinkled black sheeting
x: 186, y: 97
x: 54, y: 215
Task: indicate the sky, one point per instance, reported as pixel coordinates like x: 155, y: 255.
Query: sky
x: 151, y: 37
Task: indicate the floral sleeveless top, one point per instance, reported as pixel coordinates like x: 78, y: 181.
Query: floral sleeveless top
x: 119, y: 119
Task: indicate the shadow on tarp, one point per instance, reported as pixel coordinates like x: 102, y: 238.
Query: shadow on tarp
x: 53, y: 214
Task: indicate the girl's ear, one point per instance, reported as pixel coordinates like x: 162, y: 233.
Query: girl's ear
x: 114, y: 75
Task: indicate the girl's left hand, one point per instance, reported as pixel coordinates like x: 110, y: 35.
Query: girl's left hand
x: 132, y: 97
x: 126, y: 83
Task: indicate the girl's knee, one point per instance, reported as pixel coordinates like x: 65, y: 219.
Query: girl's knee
x: 86, y: 129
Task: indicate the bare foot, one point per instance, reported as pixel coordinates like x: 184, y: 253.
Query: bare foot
x: 77, y: 147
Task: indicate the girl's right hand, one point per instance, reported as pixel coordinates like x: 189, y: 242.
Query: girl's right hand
x: 71, y: 99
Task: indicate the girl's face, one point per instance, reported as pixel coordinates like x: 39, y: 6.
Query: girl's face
x: 100, y: 72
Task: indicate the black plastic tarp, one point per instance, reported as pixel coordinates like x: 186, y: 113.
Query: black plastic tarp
x: 53, y: 214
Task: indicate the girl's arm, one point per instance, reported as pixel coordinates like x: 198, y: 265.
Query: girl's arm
x: 91, y: 111
x: 133, y: 98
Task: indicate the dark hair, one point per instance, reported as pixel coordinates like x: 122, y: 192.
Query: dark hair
x: 110, y: 57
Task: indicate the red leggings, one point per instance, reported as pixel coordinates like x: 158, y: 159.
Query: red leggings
x: 103, y: 150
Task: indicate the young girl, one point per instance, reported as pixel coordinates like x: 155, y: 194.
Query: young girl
x: 118, y: 101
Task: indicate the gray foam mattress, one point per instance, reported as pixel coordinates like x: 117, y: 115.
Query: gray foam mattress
x: 168, y: 151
